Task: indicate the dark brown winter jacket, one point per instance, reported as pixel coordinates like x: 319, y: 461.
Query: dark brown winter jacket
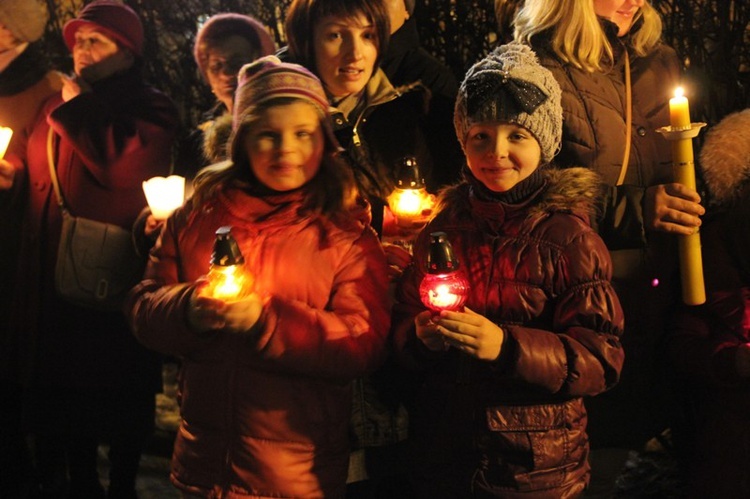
x: 645, y: 265
x: 515, y: 426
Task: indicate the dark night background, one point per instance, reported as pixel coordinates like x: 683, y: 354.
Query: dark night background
x: 711, y: 36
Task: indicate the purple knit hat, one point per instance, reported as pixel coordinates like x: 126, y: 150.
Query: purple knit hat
x: 268, y: 78
x: 222, y: 26
x: 114, y: 19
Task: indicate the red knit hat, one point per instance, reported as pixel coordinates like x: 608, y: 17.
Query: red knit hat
x: 114, y: 19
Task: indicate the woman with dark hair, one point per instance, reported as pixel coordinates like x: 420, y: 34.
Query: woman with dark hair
x: 378, y: 124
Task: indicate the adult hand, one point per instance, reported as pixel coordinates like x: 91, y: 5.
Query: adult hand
x: 73, y: 87
x: 672, y: 208
x: 471, y: 333
x: 7, y: 173
x: 427, y: 332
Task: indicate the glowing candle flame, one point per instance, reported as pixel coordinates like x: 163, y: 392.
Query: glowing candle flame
x: 226, y: 283
x: 164, y: 195
x: 5, y: 135
x: 407, y: 202
x: 679, y: 110
x: 444, y: 291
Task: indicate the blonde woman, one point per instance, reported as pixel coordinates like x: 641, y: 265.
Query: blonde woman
x: 616, y: 78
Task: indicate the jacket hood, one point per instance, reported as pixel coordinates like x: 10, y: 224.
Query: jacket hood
x: 574, y: 190
x: 725, y: 158
x: 216, y: 134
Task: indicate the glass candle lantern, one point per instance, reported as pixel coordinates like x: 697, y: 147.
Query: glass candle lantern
x: 227, y: 277
x: 444, y: 287
x: 409, y: 197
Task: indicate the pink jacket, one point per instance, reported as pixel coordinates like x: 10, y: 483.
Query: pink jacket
x: 265, y: 414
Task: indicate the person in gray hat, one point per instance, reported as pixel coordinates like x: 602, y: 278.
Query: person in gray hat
x: 500, y: 412
x: 26, y: 80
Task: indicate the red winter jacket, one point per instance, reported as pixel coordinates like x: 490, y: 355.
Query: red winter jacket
x: 266, y: 414
x: 107, y: 142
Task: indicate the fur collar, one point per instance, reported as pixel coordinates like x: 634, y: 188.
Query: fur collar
x: 725, y: 158
x: 574, y: 190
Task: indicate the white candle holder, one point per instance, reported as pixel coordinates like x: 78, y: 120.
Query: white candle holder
x: 681, y: 133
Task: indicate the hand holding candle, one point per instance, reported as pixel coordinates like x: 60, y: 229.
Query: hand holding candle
x: 680, y: 133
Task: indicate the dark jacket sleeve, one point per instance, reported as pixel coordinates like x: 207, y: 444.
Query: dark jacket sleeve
x: 119, y: 142
x: 702, y: 348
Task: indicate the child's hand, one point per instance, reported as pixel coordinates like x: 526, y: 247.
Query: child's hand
x: 206, y: 313
x: 398, y: 258
x: 7, y: 173
x: 471, y: 333
x: 240, y: 316
x: 427, y: 331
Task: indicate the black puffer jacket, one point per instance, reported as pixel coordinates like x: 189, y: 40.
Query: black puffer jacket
x: 390, y: 126
x: 516, y: 425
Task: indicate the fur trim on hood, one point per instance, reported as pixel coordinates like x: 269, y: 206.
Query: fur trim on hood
x: 575, y: 190
x: 725, y: 158
x: 216, y: 137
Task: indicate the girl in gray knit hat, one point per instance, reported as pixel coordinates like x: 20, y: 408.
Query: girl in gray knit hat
x: 500, y: 412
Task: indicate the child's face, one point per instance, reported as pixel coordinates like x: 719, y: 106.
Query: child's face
x: 345, y: 53
x: 285, y: 146
x: 500, y: 155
